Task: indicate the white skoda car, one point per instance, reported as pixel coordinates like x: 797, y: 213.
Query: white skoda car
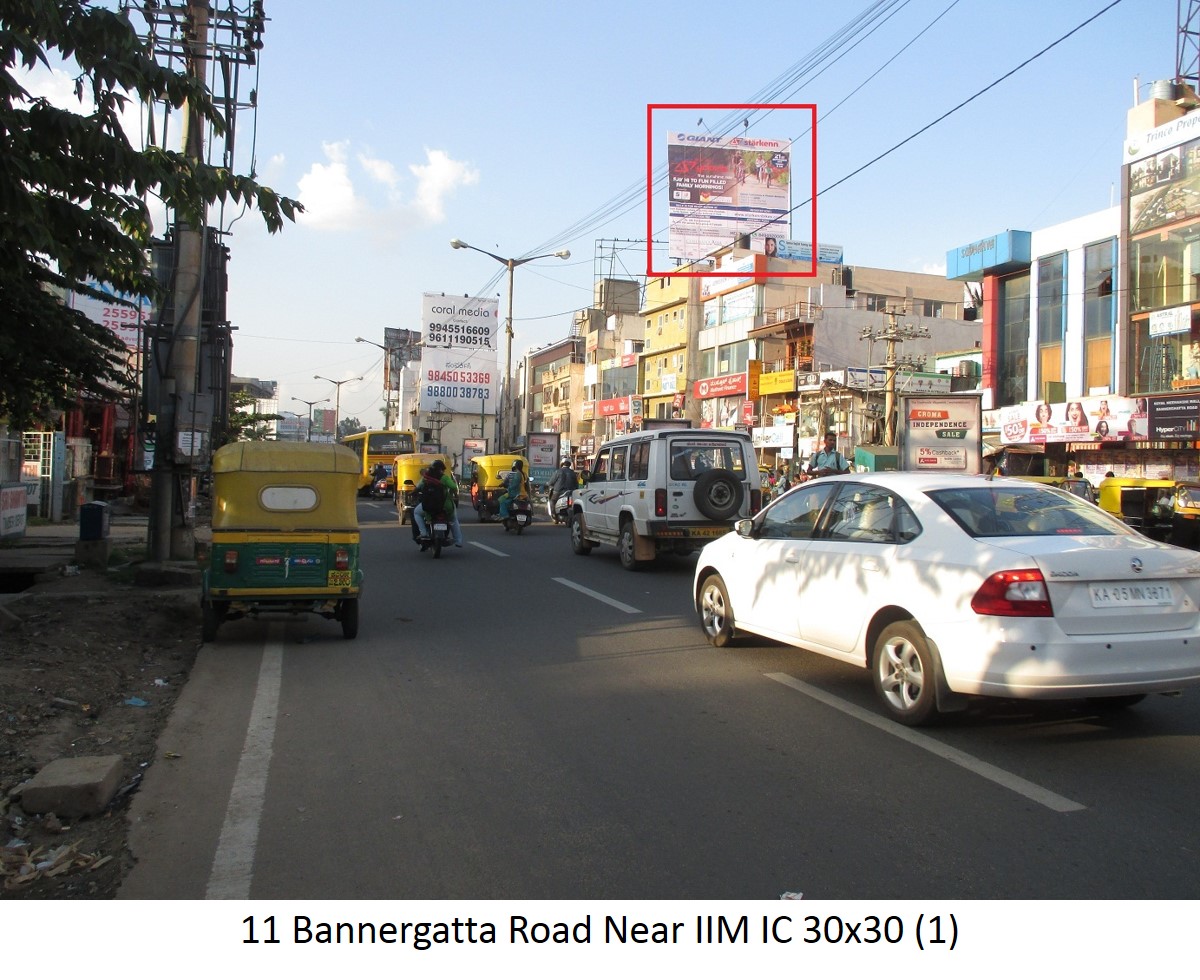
x: 948, y: 586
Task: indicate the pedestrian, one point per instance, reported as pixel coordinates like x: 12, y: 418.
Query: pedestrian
x: 828, y: 461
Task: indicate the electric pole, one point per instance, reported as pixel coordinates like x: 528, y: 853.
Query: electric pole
x: 892, y: 335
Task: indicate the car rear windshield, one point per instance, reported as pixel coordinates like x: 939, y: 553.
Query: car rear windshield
x: 985, y: 512
x: 692, y: 457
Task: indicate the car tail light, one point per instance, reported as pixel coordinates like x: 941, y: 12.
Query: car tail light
x: 755, y: 501
x: 1016, y: 593
x: 231, y: 560
x: 341, y: 559
x: 660, y: 503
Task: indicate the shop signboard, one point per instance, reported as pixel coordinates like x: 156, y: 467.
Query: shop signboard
x: 542, y: 453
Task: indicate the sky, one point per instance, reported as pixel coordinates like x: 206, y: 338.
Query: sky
x: 521, y: 129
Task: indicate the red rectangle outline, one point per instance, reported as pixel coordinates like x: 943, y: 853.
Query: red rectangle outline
x: 650, y: 107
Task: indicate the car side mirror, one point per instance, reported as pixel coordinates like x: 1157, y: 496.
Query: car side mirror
x: 744, y: 528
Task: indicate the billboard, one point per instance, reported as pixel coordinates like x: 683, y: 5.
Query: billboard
x: 723, y: 187
x: 403, y: 347
x: 127, y: 322
x: 943, y: 434
x: 459, y: 363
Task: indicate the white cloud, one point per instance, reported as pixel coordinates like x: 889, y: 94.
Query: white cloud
x: 339, y: 198
x: 437, y: 180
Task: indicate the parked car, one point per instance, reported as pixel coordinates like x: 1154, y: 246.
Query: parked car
x: 950, y: 586
x: 665, y: 490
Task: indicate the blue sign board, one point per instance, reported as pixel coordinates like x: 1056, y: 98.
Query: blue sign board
x: 1007, y: 251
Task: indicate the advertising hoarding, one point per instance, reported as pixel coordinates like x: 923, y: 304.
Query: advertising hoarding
x: 127, y: 322
x: 941, y: 433
x: 722, y: 187
x: 543, y: 456
x: 459, y: 363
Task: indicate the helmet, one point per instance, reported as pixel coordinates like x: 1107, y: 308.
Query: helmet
x: 517, y: 465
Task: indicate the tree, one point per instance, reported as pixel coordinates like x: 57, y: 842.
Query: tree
x: 72, y: 197
x: 347, y: 427
x: 247, y: 426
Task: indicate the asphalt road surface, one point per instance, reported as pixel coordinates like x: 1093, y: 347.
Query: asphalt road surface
x: 518, y: 722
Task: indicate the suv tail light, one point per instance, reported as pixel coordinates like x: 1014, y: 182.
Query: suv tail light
x: 755, y: 501
x: 660, y: 502
x: 231, y: 560
x: 1016, y: 593
x: 341, y: 559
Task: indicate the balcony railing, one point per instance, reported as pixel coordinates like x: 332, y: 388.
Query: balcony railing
x: 806, y: 312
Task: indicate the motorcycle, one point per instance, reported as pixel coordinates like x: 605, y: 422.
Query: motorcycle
x: 380, y: 488
x: 439, y: 534
x: 560, y: 509
x: 520, y: 515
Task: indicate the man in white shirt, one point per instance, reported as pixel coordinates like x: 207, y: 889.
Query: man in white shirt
x: 828, y: 461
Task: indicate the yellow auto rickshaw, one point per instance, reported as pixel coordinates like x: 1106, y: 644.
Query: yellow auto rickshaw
x: 1185, y: 520
x: 1145, y: 505
x: 408, y: 470
x: 1077, y: 486
x: 486, y: 484
x: 284, y: 534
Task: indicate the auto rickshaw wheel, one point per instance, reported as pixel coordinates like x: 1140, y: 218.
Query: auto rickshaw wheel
x: 349, y: 618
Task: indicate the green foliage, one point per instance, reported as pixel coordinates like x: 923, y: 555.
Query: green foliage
x: 72, y: 192
x: 247, y: 426
x: 347, y: 427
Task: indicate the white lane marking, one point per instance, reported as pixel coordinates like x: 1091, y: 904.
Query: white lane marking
x: 490, y: 551
x: 1060, y: 804
x: 233, y: 864
x: 596, y: 595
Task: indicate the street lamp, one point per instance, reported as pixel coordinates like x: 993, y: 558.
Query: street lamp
x: 510, y: 264
x: 387, y: 394
x: 337, y: 405
x: 310, y: 411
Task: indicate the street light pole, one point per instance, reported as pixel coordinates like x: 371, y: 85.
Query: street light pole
x: 337, y: 405
x: 509, y: 264
x: 387, y: 394
x: 310, y: 411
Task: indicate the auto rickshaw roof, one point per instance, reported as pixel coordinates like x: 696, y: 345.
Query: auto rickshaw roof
x: 285, y: 457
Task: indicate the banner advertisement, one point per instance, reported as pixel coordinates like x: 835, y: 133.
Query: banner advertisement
x: 542, y: 453
x: 803, y: 252
x: 941, y: 433
x: 127, y: 322
x: 722, y: 187
x: 403, y: 348
x: 459, y: 370
x: 1108, y: 418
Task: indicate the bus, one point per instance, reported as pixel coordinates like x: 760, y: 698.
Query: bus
x: 378, y: 446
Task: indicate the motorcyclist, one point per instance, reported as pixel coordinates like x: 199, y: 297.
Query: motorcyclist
x: 514, y: 486
x: 433, y: 498
x: 379, y: 473
x: 564, y: 482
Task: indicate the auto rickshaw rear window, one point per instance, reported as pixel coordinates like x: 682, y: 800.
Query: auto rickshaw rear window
x: 288, y: 498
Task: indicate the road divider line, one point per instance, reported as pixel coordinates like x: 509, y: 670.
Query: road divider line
x: 1031, y: 791
x: 233, y: 864
x: 490, y: 551
x: 597, y: 596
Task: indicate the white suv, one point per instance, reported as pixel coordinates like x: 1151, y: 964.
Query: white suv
x: 665, y: 490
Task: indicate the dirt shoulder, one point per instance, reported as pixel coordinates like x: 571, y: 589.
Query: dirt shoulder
x: 89, y: 665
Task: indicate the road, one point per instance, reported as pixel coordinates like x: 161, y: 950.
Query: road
x: 518, y: 722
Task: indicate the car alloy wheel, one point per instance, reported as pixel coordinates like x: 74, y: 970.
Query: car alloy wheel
x: 716, y: 613
x: 905, y: 673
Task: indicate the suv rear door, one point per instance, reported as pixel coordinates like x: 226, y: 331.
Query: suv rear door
x: 706, y: 477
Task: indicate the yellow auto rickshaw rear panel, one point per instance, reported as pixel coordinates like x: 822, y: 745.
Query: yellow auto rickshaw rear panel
x: 486, y: 480
x: 408, y: 471
x: 285, y: 533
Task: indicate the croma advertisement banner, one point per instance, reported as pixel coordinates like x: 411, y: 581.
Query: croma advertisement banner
x: 458, y: 359
x: 721, y: 187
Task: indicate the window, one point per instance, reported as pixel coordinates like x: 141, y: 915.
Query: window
x: 1052, y: 274
x: 1098, y: 310
x: 599, y: 472
x: 639, y: 461
x: 1013, y: 335
x: 863, y: 513
x: 617, y: 467
x: 796, y: 514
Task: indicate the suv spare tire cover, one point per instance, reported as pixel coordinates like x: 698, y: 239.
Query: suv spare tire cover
x: 718, y: 494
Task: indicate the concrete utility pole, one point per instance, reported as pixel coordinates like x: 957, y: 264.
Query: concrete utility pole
x: 170, y: 533
x: 892, y: 335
